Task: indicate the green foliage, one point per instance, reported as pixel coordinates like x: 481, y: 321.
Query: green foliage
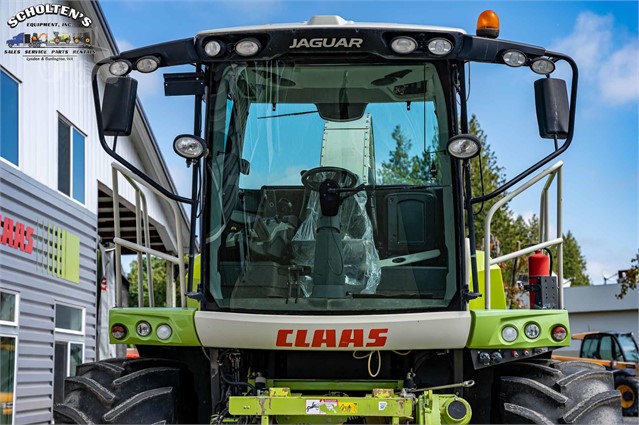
x: 510, y: 232
x: 158, y: 269
x: 630, y: 277
x: 401, y: 168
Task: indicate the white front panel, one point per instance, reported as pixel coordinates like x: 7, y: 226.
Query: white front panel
x: 415, y: 331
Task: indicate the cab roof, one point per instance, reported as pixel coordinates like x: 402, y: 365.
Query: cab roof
x: 332, y: 22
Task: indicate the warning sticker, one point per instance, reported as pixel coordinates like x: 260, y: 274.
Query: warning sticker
x: 322, y: 407
x: 347, y: 407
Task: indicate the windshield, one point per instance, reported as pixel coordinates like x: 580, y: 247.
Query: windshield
x: 382, y: 237
x: 629, y: 348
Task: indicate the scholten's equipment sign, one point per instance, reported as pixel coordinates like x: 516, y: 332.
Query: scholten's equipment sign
x: 49, y: 9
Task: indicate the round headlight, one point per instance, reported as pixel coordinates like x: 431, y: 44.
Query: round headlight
x: 532, y: 330
x: 464, y: 146
x: 559, y: 333
x: 147, y: 64
x: 118, y: 331
x: 188, y: 146
x: 440, y: 46
x: 120, y: 67
x: 542, y: 66
x: 509, y: 334
x: 164, y: 332
x: 143, y: 328
x: 213, y: 48
x: 247, y: 47
x: 514, y: 58
x: 403, y: 45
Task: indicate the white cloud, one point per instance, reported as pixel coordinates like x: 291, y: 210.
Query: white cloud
x: 607, y: 57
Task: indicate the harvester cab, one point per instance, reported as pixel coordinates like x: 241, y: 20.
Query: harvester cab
x: 339, y: 278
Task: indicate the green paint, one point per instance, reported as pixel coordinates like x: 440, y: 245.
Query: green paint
x: 70, y: 257
x: 181, y: 321
x: 296, y: 407
x: 486, y: 326
x: 432, y: 409
x: 197, y: 278
x: 497, y: 294
x: 344, y: 386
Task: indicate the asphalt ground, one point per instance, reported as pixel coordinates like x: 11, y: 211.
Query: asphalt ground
x: 631, y: 420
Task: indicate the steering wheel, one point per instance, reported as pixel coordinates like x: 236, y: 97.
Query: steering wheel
x: 313, y: 178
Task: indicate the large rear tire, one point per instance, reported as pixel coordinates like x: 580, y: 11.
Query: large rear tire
x: 131, y: 391
x: 551, y: 392
x: 628, y: 387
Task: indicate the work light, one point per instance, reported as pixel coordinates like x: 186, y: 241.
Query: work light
x: 120, y: 67
x: 514, y: 58
x: 247, y: 47
x: 147, y: 64
x: 464, y: 146
x: 189, y: 146
x: 440, y: 46
x: 542, y: 66
x: 403, y: 45
x: 213, y: 48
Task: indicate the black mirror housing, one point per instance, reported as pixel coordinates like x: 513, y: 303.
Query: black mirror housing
x: 118, y: 106
x: 553, y: 111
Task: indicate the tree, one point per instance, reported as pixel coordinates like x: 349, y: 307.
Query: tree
x: 630, y: 277
x: 158, y: 269
x: 509, y: 232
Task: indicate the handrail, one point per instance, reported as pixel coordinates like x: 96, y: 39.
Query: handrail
x: 544, y: 231
x: 138, y: 246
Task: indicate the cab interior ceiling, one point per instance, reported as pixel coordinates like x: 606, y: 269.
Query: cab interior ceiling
x: 325, y: 84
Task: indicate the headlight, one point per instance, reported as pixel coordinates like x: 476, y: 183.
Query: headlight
x: 440, y: 46
x: 403, y: 45
x: 164, y: 332
x: 188, y: 146
x: 464, y: 146
x: 514, y: 58
x: 509, y: 334
x: 213, y: 48
x: 542, y: 66
x: 532, y: 330
x: 120, y: 67
x: 247, y: 47
x: 143, y: 328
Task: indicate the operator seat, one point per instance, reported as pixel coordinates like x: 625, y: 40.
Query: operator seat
x: 347, y: 145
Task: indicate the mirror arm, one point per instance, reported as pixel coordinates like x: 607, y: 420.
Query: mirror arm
x: 111, y: 152
x: 557, y: 152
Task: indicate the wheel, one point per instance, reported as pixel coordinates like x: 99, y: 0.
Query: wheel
x: 550, y: 392
x: 131, y: 391
x: 312, y: 179
x: 87, y: 40
x: 627, y: 386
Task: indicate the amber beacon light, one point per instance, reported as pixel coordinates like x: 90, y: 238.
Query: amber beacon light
x: 488, y: 24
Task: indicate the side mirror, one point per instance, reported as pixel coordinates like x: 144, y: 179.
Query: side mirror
x: 553, y: 112
x: 118, y: 106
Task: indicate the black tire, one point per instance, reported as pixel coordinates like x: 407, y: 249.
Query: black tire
x: 628, y: 386
x: 551, y: 392
x: 130, y: 391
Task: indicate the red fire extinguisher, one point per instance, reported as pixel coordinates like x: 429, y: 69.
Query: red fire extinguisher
x: 538, y: 266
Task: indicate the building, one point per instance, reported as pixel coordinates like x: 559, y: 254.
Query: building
x: 596, y: 308
x: 56, y: 200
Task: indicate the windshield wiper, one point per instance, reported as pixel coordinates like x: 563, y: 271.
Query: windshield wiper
x: 287, y: 115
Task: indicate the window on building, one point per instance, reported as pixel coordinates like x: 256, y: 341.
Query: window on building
x: 69, y: 346
x: 8, y: 344
x: 9, y: 117
x: 70, y: 160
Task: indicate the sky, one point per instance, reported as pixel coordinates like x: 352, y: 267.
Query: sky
x: 601, y: 171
